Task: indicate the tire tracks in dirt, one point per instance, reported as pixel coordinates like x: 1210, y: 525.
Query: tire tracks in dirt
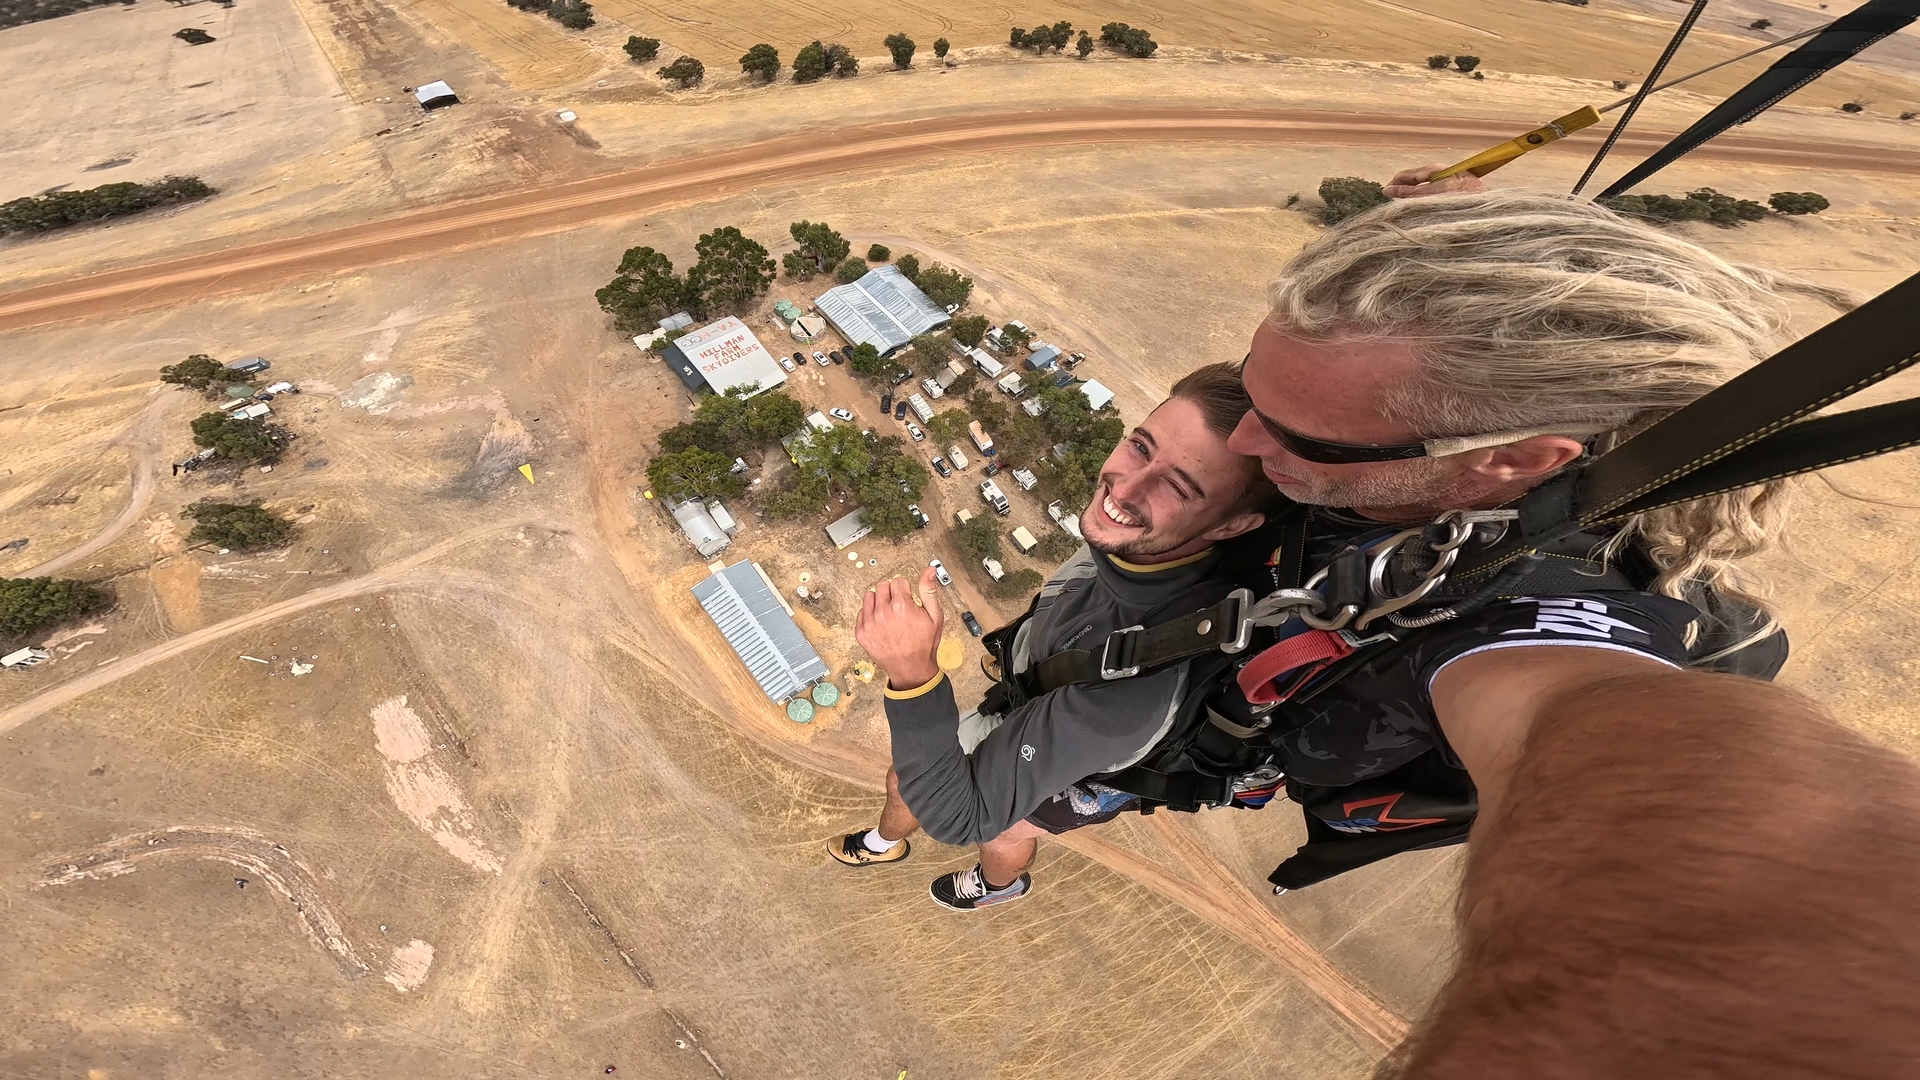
x: 142, y: 440
x: 812, y: 155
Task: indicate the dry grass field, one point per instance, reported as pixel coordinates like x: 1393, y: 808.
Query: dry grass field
x: 526, y: 816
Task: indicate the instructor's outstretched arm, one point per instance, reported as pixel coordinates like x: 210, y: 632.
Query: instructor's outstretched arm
x: 1674, y: 874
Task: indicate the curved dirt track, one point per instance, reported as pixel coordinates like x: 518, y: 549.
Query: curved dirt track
x: 811, y: 155
x: 142, y: 440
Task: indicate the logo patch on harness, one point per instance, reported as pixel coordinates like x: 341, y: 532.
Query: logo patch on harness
x: 1026, y: 752
x: 1579, y: 618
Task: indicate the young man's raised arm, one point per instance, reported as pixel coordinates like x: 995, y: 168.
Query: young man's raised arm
x: 1674, y: 874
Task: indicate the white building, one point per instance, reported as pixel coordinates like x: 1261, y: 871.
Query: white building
x: 882, y: 309
x: 721, y: 356
x: 24, y: 658
x: 848, y: 530
x: 435, y: 95
x: 1098, y: 397
x: 704, y: 533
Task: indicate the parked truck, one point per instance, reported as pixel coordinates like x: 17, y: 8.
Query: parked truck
x: 1025, y: 479
x: 990, y: 491
x: 993, y: 568
x: 958, y: 459
x: 1012, y: 385
x: 1068, y: 522
x: 980, y: 438
x: 920, y: 407
x: 932, y: 388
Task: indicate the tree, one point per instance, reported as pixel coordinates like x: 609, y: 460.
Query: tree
x: 572, y: 14
x: 242, y: 527
x: 1760, y: 24
x: 193, y: 35
x: 845, y: 65
x: 878, y: 253
x: 685, y: 71
x: 948, y: 426
x: 694, y: 473
x: 762, y: 61
x: 1346, y: 196
x: 1797, y: 202
x: 826, y: 248
x: 891, y: 483
x: 909, y: 267
x: 30, y: 605
x: 968, y: 330
x: 1016, y: 337
x: 946, y: 287
x: 901, y: 46
x: 1853, y: 107
x: 642, y: 49
x: 1084, y: 45
x: 1704, y: 204
x: 979, y: 537
x: 940, y: 48
x: 1466, y: 63
x: 1060, y: 35
x: 1018, y: 583
x: 202, y: 372
x: 798, y: 265
x: 643, y: 291
x: 1055, y: 547
x: 853, y: 268
x: 235, y: 439
x: 1439, y: 61
x: 865, y: 359
x: 733, y: 423
x: 1127, y: 40
x: 732, y: 270
x: 928, y: 354
x: 810, y: 63
x: 1017, y: 38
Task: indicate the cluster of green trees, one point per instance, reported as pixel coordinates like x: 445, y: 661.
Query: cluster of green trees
x: 979, y: 537
x: 900, y: 47
x: 1344, y: 196
x: 1438, y: 62
x: 642, y: 49
x: 815, y: 61
x: 572, y: 14
x: 1127, y: 40
x: 968, y: 330
x: 240, y: 526
x: 31, y: 605
x: 730, y: 270
x: 821, y: 250
x: 874, y: 473
x: 1713, y: 207
x: 1019, y: 439
x: 237, y: 439
x: 22, y: 12
x: 60, y: 209
x: 695, y: 459
x: 1042, y: 38
x: 203, y: 373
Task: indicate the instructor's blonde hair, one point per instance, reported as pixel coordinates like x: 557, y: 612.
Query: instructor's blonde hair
x: 1530, y: 311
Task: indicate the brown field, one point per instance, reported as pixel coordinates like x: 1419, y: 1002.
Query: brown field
x: 526, y: 816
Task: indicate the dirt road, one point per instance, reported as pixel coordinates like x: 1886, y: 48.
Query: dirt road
x: 810, y: 155
x: 142, y: 440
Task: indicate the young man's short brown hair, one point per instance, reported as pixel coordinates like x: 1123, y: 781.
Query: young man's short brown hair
x: 1223, y: 402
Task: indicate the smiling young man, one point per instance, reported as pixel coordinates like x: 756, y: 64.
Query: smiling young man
x: 1169, y: 492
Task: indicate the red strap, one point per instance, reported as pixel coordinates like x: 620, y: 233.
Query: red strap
x: 1312, y: 650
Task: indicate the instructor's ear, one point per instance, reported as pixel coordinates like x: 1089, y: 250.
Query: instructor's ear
x: 1529, y: 458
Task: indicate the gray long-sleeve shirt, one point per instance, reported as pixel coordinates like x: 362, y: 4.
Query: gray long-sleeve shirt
x: 1062, y: 737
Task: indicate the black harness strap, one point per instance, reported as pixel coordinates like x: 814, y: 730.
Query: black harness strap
x: 1130, y: 651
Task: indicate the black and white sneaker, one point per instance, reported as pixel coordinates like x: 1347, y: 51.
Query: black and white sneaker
x: 852, y: 850
x: 966, y: 890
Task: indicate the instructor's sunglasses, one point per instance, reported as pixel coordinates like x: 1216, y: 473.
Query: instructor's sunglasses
x: 1321, y: 452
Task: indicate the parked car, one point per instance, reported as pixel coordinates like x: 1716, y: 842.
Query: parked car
x: 900, y: 410
x: 973, y: 624
x: 993, y: 467
x: 913, y: 429
x: 920, y: 520
x: 788, y: 364
x: 940, y: 466
x: 940, y: 573
x: 820, y: 358
x: 838, y: 356
x: 886, y: 401
x: 840, y: 414
x: 800, y: 358
x: 900, y: 375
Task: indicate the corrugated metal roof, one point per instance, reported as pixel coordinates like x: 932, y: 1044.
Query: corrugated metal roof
x: 704, y: 533
x: 882, y: 309
x: 761, y: 633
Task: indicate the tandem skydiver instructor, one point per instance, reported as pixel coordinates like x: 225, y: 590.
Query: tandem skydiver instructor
x: 1675, y: 867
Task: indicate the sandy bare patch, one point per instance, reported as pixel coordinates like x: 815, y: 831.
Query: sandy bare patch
x: 376, y: 392
x: 422, y: 790
x: 408, y: 968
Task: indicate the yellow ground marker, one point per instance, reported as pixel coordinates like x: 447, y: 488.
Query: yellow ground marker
x: 527, y: 471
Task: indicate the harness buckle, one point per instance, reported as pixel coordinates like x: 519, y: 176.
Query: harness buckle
x: 1107, y: 670
x: 1243, y: 619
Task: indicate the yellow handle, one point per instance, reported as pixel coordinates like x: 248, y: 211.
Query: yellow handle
x: 1488, y: 160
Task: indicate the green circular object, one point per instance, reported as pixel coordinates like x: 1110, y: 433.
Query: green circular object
x: 800, y: 710
x: 826, y: 695
x: 237, y: 392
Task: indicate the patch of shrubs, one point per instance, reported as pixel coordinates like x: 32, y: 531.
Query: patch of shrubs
x: 1797, y: 202
x: 642, y: 49
x: 878, y: 253
x: 815, y: 61
x: 1127, y: 40
x: 22, y: 12
x: 1439, y: 62
x: 1705, y: 205
x: 1853, y: 107
x: 236, y: 439
x: 572, y: 14
x: 61, y: 209
x: 30, y: 605
x: 1345, y: 196
x: 684, y: 72
x: 241, y: 527
x: 1042, y: 38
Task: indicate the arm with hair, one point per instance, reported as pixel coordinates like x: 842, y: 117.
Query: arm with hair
x: 1674, y: 874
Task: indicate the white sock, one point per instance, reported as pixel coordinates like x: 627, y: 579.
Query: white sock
x: 876, y: 843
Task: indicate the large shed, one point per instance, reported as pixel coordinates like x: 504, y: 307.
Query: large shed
x: 848, y: 530
x: 704, y: 533
x: 759, y: 627
x: 721, y: 356
x: 435, y: 95
x: 882, y: 309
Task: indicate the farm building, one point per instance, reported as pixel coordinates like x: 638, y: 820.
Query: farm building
x: 704, y: 533
x: 435, y: 95
x: 1098, y: 397
x: 721, y: 356
x: 1042, y: 357
x: 882, y: 309
x: 248, y: 366
x: 759, y: 627
x: 848, y: 530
